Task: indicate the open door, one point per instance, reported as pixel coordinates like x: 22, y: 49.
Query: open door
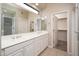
x: 78, y: 27
x: 0, y: 30
x: 77, y: 30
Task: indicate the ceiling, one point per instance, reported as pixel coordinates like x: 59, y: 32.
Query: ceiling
x: 40, y: 6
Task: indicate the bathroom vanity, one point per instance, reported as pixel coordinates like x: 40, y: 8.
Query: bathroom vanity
x: 25, y: 44
x: 15, y: 39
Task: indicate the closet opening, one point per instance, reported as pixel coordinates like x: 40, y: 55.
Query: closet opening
x: 60, y: 31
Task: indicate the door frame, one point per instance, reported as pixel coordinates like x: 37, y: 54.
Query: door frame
x: 0, y: 29
x: 75, y: 31
x: 68, y: 29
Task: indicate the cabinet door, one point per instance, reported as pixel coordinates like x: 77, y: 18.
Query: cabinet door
x: 17, y: 53
x: 37, y: 46
x: 29, y: 50
x: 46, y: 42
x: 42, y: 44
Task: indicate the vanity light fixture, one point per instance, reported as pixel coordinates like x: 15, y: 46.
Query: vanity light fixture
x: 28, y: 7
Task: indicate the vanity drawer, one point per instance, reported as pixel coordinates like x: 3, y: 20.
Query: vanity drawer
x: 14, y: 48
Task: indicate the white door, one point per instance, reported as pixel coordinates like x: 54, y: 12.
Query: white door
x: 0, y: 29
x: 76, y: 31
x: 78, y: 27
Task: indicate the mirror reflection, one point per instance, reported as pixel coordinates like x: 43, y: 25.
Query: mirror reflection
x: 15, y: 20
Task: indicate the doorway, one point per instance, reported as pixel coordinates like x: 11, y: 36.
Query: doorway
x: 60, y: 31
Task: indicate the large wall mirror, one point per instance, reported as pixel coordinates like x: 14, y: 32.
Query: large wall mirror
x: 41, y: 24
x: 7, y: 21
x: 15, y: 20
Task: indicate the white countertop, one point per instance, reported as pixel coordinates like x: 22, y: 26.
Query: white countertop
x: 9, y: 40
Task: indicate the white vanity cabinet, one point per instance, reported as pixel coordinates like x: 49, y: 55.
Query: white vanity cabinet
x: 32, y: 47
x: 29, y: 50
x: 13, y: 53
x: 40, y: 44
x: 37, y: 46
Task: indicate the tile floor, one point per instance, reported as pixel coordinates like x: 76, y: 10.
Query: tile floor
x: 53, y: 52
